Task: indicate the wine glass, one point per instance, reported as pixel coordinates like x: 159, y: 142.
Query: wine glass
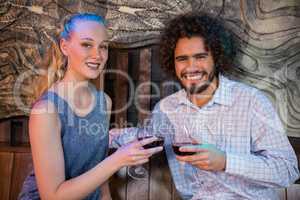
x: 184, y: 139
x: 139, y: 172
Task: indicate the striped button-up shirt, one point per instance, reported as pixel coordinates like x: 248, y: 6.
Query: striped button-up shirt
x: 238, y: 120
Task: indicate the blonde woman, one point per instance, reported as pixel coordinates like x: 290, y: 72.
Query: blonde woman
x: 68, y: 124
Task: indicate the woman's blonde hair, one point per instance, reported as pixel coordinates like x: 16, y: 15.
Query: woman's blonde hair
x: 53, y: 66
x: 54, y: 63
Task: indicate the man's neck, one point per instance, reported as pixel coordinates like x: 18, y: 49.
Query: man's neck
x: 204, y: 97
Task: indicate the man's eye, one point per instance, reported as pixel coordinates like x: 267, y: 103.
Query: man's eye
x: 180, y: 59
x: 200, y: 56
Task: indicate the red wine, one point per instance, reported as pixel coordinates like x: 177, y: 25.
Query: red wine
x: 157, y: 143
x: 180, y: 153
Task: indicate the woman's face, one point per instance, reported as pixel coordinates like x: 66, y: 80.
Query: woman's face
x: 86, y: 50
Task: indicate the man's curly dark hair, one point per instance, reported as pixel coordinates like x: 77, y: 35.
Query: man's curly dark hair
x: 192, y: 24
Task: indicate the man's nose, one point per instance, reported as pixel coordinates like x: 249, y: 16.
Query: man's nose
x: 191, y: 62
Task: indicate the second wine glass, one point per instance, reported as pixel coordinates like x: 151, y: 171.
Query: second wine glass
x: 139, y: 172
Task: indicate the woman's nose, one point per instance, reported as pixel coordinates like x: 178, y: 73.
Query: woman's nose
x: 97, y: 53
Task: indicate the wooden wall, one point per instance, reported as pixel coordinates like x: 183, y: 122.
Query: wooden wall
x: 15, y: 157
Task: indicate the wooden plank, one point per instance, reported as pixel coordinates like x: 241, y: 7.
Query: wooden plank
x: 295, y: 142
x: 22, y: 166
x: 139, y: 189
x: 119, y: 61
x: 19, y: 131
x: 281, y: 193
x: 121, y: 89
x: 160, y: 178
x: 4, y: 147
x: 109, y: 80
x: 6, y: 166
x: 157, y: 76
x: 133, y: 72
x: 5, y: 131
x: 144, y: 86
x: 118, y: 184
x: 293, y: 192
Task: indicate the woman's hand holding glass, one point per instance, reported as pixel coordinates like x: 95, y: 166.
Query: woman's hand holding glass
x: 134, y: 153
x: 144, y: 133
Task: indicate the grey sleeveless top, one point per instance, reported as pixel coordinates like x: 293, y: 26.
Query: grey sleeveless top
x: 84, y: 141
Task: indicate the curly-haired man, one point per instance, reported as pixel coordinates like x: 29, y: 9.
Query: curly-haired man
x: 237, y: 145
x: 243, y: 152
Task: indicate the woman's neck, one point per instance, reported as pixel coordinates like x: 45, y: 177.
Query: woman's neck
x: 79, y: 95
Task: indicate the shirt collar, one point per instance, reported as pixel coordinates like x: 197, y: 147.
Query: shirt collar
x: 182, y: 97
x: 223, y: 94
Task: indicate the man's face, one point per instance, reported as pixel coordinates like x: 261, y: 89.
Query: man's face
x: 194, y: 65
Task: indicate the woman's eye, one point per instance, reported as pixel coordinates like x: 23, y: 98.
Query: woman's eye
x: 87, y: 45
x: 105, y: 47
